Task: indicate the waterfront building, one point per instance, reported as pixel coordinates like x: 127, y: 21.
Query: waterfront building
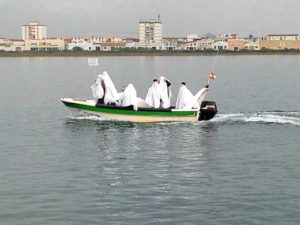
x: 45, y: 45
x: 34, y: 31
x: 150, y: 31
x: 251, y: 44
x: 82, y: 44
x: 220, y: 45
x: 112, y: 46
x: 191, y: 45
x: 12, y: 45
x: 98, y: 39
x: 146, y: 46
x: 174, y: 43
x: 18, y: 45
x: 171, y: 45
x: 132, y: 45
x: 112, y: 39
x: 235, y: 44
x: 278, y: 37
x: 205, y: 43
x: 5, y: 44
x: 280, y: 42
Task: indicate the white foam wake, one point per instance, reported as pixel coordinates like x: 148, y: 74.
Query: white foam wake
x: 260, y: 117
x: 232, y: 118
x: 87, y: 117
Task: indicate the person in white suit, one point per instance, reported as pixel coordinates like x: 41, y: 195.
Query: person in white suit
x: 165, y: 91
x: 154, y: 95
x: 129, y: 97
x: 98, y: 89
x: 185, y: 98
x: 104, y: 89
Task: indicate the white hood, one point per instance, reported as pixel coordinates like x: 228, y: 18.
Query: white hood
x: 196, y: 101
x: 153, y: 95
x: 185, y: 99
x: 165, y: 92
x: 111, y: 93
x: 129, y: 97
x: 97, y: 88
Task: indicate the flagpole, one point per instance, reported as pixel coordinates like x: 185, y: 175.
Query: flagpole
x: 213, y: 65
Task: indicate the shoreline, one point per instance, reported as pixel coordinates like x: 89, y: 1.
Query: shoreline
x: 145, y: 53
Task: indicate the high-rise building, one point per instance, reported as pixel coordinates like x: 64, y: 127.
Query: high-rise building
x: 150, y: 30
x: 34, y: 31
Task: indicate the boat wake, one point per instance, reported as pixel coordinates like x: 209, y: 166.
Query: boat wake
x: 276, y: 117
x: 87, y: 117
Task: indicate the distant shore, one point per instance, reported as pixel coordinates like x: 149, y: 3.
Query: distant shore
x: 144, y: 53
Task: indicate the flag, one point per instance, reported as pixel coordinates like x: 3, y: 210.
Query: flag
x: 93, y: 61
x: 212, y: 75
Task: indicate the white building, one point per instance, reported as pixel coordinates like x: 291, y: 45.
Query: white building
x: 149, y: 46
x: 205, y: 43
x: 112, y: 46
x: 191, y: 45
x: 18, y: 45
x: 12, y: 45
x: 150, y: 31
x: 169, y: 45
x: 220, y: 45
x: 82, y: 44
x: 45, y: 45
x: 283, y: 37
x: 34, y: 31
x: 5, y: 44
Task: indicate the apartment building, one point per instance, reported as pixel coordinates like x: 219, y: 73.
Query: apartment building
x: 34, y: 31
x: 150, y: 31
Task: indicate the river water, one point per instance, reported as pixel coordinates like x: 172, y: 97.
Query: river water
x: 242, y: 167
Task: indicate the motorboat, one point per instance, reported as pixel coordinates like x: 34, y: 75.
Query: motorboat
x: 207, y: 111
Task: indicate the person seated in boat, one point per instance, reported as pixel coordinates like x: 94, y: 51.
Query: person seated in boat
x: 154, y: 95
x: 104, y: 90
x: 128, y: 97
x: 185, y: 98
x: 98, y: 89
x: 111, y: 94
x: 165, y: 91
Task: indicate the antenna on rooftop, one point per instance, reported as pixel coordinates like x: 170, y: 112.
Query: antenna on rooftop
x: 158, y: 17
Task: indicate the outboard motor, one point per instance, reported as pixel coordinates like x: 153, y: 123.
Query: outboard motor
x: 208, y: 110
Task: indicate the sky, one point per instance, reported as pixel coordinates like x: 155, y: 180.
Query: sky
x: 179, y: 17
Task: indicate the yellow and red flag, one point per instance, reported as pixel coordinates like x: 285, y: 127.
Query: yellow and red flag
x: 212, y: 75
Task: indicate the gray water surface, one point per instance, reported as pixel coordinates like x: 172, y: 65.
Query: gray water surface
x: 240, y: 168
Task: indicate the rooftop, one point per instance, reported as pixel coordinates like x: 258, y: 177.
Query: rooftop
x: 283, y: 35
x: 150, y: 21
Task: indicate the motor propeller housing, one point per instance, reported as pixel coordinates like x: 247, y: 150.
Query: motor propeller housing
x: 208, y: 110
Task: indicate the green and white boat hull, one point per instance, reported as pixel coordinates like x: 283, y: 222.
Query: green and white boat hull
x: 127, y: 114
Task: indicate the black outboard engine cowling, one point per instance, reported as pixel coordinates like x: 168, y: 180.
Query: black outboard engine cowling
x: 208, y: 110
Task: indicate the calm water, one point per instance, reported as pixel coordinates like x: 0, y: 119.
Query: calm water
x: 241, y: 168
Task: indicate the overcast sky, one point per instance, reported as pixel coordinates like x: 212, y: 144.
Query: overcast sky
x: 179, y: 17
